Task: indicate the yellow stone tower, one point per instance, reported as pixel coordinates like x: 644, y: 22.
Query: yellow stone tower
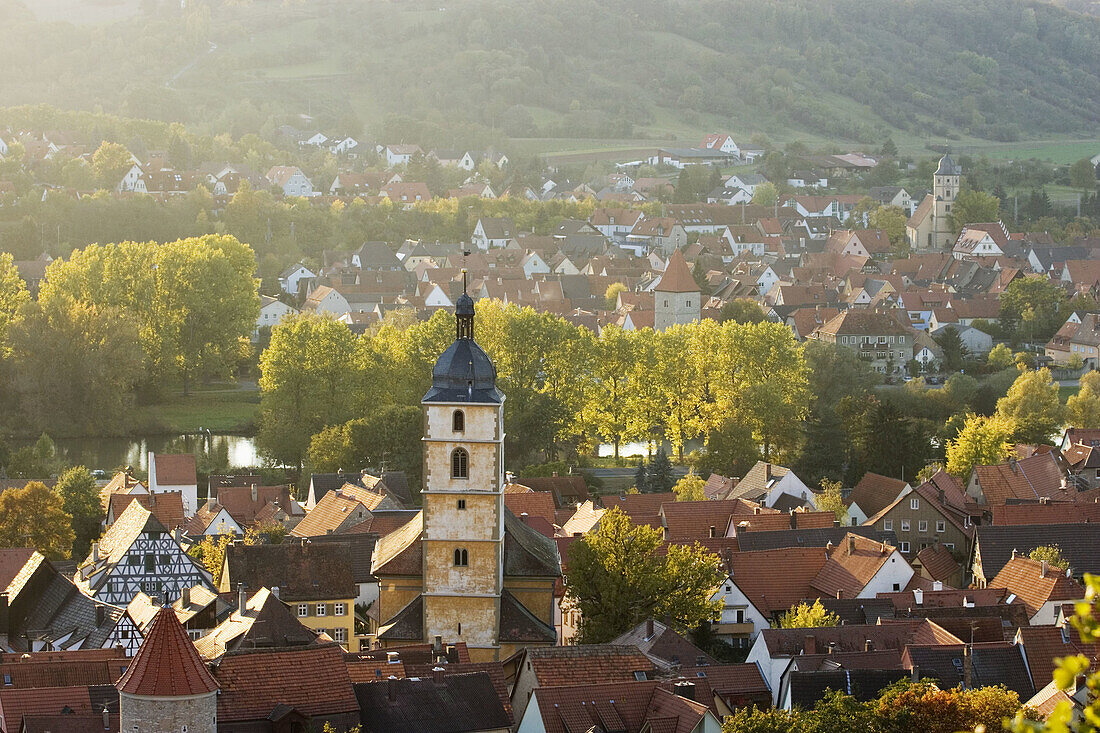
x: 463, y: 496
x: 945, y: 188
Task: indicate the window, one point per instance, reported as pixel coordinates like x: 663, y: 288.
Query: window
x: 460, y: 461
x: 914, y: 504
x: 321, y: 610
x: 922, y: 526
x: 341, y: 609
x: 740, y: 616
x: 303, y: 610
x: 150, y: 563
x: 688, y: 304
x: 340, y: 635
x: 904, y: 546
x: 905, y: 525
x: 462, y: 558
x: 941, y: 526
x: 458, y: 421
x: 462, y: 504
x: 887, y: 525
x: 166, y: 560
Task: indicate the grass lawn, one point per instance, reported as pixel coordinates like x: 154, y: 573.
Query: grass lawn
x: 1064, y: 392
x: 226, y: 409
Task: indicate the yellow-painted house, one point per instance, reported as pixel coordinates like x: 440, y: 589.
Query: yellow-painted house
x: 464, y: 569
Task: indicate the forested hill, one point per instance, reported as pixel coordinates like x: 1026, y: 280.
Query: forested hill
x: 842, y: 69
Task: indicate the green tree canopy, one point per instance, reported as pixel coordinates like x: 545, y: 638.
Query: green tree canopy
x: 808, y: 616
x: 983, y: 441
x: 34, y: 516
x: 617, y: 579
x: 1033, y: 405
x: 689, y: 488
x: 1083, y: 408
x: 80, y: 497
x: 974, y: 207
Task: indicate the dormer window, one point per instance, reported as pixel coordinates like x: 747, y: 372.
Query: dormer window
x: 460, y: 461
x: 458, y: 421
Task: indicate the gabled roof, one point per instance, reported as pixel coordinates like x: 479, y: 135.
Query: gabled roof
x: 664, y: 647
x: 166, y: 506
x: 769, y: 591
x: 891, y: 634
x: 303, y: 571
x: 313, y: 680
x: 558, y: 666
x: 938, y: 562
x: 875, y: 492
x: 167, y: 664
x: 264, y: 622
x: 453, y: 703
x: 991, y: 663
x: 851, y: 566
x: 1078, y: 543
x: 1043, y: 644
x: 622, y: 707
x: 1035, y: 584
x: 175, y: 469
x: 1033, y: 478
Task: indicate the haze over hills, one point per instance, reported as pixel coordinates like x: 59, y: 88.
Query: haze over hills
x: 476, y: 70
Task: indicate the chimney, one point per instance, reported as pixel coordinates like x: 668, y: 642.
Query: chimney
x: 437, y: 645
x: 255, y: 494
x: 940, y: 495
x: 937, y: 585
x: 1013, y: 465
x: 242, y: 597
x: 685, y: 689
x: 100, y: 612
x: 767, y: 472
x: 756, y: 510
x: 106, y: 718
x: 391, y: 691
x: 177, y: 534
x: 95, y: 552
x: 839, y: 594
x: 809, y: 644
x: 275, y: 591
x: 185, y: 597
x: 915, y: 673
x: 437, y: 675
x: 649, y: 628
x: 1043, y: 569
x: 712, y: 531
x: 851, y: 544
x: 554, y: 474
x: 968, y: 668
x: 918, y: 596
x: 868, y: 646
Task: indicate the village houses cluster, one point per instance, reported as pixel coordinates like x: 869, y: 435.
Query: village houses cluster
x: 445, y: 609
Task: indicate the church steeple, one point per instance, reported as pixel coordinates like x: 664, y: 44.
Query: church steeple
x: 464, y: 372
x: 464, y: 313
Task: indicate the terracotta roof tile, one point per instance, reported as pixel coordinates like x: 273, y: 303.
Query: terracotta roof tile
x: 851, y: 566
x: 239, y: 501
x: 771, y: 592
x: 1043, y: 644
x: 456, y: 702
x: 887, y: 634
x: 576, y: 665
x: 166, y: 506
x: 175, y: 469
x: 532, y: 503
x: 1061, y: 512
x: 1027, y: 580
x: 1032, y: 478
x: 616, y: 706
x: 875, y: 492
x: 314, y: 680
x: 687, y: 521
x: 167, y: 664
x: 677, y: 276
x: 938, y: 562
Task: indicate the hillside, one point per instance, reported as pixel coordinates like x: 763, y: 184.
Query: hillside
x: 474, y: 70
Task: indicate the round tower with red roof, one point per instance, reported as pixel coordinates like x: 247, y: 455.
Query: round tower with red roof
x: 167, y: 688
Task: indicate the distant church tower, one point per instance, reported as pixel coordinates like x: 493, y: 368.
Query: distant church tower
x: 676, y: 299
x: 463, y: 496
x: 167, y: 688
x: 945, y: 188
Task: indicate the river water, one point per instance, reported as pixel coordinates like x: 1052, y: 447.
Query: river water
x: 109, y: 454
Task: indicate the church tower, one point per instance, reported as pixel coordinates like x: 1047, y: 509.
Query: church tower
x: 463, y: 495
x: 945, y: 188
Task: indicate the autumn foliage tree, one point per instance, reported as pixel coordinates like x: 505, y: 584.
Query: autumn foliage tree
x: 34, y: 516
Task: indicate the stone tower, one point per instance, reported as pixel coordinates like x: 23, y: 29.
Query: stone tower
x: 677, y: 298
x: 167, y: 688
x: 463, y: 496
x: 945, y: 188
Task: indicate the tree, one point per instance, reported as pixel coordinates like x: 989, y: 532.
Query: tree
x: 808, y: 616
x: 829, y: 499
x: 75, y: 365
x: 889, y: 148
x: 618, y: 578
x: 34, y: 516
x: 388, y: 437
x: 765, y: 194
x: 110, y: 162
x: 892, y: 220
x: 1082, y: 175
x: 659, y: 471
x: 641, y: 478
x: 1000, y: 357
x: 606, y: 405
x: 611, y: 295
x: 973, y: 207
x: 1052, y: 554
x: 689, y: 488
x: 954, y: 350
x: 1033, y: 308
x: 308, y: 380
x: 741, y: 310
x: 1083, y: 408
x: 1033, y: 405
x: 983, y: 441
x: 13, y: 294
x: 80, y: 497
x: 210, y: 550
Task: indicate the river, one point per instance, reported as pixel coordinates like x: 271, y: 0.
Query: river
x: 108, y: 454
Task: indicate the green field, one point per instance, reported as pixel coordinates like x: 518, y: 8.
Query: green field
x: 1067, y: 151
x: 220, y: 408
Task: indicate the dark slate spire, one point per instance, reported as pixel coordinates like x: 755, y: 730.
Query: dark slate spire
x: 464, y: 372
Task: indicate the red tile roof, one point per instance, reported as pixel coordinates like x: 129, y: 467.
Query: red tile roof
x: 1031, y: 478
x: 1043, y: 644
x: 314, y: 680
x: 166, y: 506
x: 617, y: 706
x: 875, y: 492
x: 574, y: 665
x: 167, y: 664
x: 851, y: 566
x: 15, y: 704
x: 175, y: 469
x: 677, y: 276
x: 1062, y: 512
x: 1034, y: 586
x: 12, y: 561
x: 532, y: 503
x: 769, y: 591
x: 938, y: 562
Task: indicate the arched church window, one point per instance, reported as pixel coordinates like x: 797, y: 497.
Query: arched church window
x: 458, y: 421
x: 460, y: 464
x: 462, y: 558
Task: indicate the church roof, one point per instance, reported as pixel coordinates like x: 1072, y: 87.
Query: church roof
x: 948, y: 167
x: 520, y: 625
x: 677, y: 277
x: 167, y: 664
x: 464, y: 372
